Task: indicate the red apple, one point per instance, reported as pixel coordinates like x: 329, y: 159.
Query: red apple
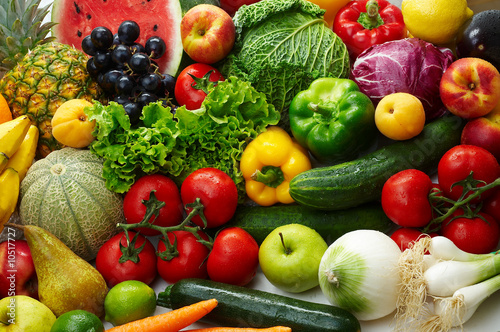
x: 207, y: 33
x: 470, y: 87
x: 231, y: 6
x: 484, y: 132
x: 17, y: 271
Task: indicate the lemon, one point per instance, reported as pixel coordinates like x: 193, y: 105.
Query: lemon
x: 435, y: 21
x: 129, y: 301
x: 77, y: 321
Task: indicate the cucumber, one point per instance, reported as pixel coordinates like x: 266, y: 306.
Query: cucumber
x: 244, y: 307
x: 353, y: 183
x: 259, y: 221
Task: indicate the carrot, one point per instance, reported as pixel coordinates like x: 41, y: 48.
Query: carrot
x: 241, y: 329
x: 171, y: 321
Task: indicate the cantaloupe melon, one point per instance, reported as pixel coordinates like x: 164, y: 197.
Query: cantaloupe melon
x: 65, y: 194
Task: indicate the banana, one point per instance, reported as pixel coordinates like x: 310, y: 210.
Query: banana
x: 11, y: 136
x: 24, y: 156
x: 9, y: 194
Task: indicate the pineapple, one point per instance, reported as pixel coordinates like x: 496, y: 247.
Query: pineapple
x: 46, y: 77
x: 21, y: 28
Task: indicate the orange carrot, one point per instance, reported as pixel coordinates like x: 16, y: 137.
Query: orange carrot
x: 171, y: 321
x: 241, y: 329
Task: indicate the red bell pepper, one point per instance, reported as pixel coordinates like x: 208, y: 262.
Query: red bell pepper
x: 363, y: 23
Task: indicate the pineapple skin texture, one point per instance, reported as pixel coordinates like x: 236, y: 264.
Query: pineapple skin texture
x: 45, y: 78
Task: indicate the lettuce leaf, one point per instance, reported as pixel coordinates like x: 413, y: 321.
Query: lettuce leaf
x: 215, y: 135
x: 282, y: 46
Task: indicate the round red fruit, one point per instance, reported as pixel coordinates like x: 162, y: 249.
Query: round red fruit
x: 458, y: 163
x: 216, y: 191
x: 234, y: 258
x: 165, y: 190
x: 477, y: 234
x: 192, y: 84
x: 231, y: 6
x: 190, y: 261
x: 118, y: 262
x: 405, y: 198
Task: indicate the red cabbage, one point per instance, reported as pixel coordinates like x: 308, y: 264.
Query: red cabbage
x: 408, y: 65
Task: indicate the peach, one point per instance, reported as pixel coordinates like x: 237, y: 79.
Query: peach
x: 484, y: 132
x: 470, y: 87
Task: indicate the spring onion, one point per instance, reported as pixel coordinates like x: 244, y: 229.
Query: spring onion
x: 459, y: 308
x: 441, y: 247
x: 358, y: 272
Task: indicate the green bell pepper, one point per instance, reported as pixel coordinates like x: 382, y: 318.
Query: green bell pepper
x: 333, y: 120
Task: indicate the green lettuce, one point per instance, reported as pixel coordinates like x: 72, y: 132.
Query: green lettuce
x: 215, y: 135
x: 282, y: 46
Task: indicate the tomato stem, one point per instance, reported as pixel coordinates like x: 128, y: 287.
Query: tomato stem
x: 469, y: 185
x: 153, y: 206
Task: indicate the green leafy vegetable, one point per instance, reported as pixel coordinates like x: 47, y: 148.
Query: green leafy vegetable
x: 232, y: 114
x: 282, y: 46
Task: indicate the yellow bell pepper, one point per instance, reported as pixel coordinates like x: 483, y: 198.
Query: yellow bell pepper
x: 268, y: 164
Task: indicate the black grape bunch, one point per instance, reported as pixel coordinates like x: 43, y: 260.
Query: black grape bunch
x: 125, y: 69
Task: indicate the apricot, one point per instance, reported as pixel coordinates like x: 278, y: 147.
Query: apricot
x: 71, y: 126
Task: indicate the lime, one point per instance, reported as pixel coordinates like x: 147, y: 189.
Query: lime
x: 77, y: 321
x: 128, y: 301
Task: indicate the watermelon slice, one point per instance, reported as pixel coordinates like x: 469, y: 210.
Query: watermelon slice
x: 76, y: 18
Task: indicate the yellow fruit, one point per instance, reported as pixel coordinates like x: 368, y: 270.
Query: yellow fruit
x: 24, y: 156
x: 332, y: 7
x: 435, y: 21
x: 70, y: 124
x: 400, y: 116
x: 9, y: 194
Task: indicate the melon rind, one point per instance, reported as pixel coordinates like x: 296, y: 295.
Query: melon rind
x: 75, y: 206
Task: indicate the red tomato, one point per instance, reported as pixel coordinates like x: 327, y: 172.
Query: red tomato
x: 113, y: 263
x: 473, y: 235
x: 217, y: 192
x: 458, y: 162
x: 165, y: 190
x: 405, y: 236
x: 405, y: 198
x: 191, y: 261
x: 191, y: 93
x: 234, y: 258
x: 231, y: 6
x: 491, y: 205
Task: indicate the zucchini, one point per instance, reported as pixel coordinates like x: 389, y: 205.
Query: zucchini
x: 359, y: 181
x: 244, y: 307
x: 259, y: 221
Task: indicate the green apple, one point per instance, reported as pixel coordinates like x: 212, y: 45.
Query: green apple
x: 23, y: 313
x: 290, y: 255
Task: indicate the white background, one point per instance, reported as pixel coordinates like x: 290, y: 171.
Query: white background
x: 486, y: 319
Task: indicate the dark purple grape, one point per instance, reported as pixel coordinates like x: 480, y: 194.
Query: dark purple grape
x: 121, y: 54
x: 88, y: 46
x: 151, y: 82
x: 121, y: 99
x: 116, y: 40
x: 125, y: 85
x: 168, y: 82
x: 128, y: 32
x: 109, y: 80
x: 102, y: 38
x: 155, y: 47
x: 146, y: 97
x: 91, y: 68
x: 102, y: 60
x: 139, y: 63
x: 134, y: 111
x: 137, y: 48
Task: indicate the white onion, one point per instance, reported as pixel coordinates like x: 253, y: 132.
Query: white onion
x: 359, y: 273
